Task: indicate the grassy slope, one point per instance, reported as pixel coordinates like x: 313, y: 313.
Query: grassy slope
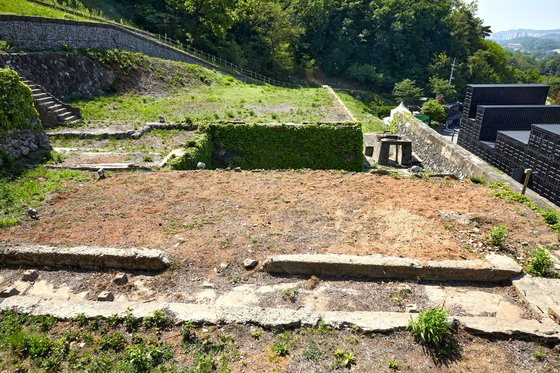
x: 30, y: 188
x: 370, y: 123
x: 27, y: 8
x: 232, y: 100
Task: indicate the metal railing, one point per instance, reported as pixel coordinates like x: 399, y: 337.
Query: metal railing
x: 189, y: 50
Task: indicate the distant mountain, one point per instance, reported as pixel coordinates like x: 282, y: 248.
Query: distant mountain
x: 541, y: 42
x: 524, y: 33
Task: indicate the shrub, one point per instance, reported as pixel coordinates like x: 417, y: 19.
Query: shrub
x: 16, y: 103
x: 540, y: 263
x: 435, y: 110
x: 431, y: 327
x: 315, y: 146
x: 497, y: 235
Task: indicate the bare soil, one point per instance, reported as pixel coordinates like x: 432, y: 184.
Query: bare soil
x: 209, y: 217
x: 204, y: 218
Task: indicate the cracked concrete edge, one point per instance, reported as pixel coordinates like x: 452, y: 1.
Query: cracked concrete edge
x: 495, y: 268
x: 84, y: 257
x: 381, y: 322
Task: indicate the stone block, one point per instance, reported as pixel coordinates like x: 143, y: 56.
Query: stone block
x: 105, y: 296
x: 30, y: 275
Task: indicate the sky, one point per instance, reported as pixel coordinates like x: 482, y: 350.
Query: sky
x: 503, y: 15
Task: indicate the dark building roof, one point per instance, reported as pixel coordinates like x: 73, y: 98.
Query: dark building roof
x: 520, y: 136
x: 503, y: 94
x: 552, y: 128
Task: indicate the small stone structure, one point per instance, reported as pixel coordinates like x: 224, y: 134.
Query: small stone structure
x: 380, y: 149
x: 16, y: 144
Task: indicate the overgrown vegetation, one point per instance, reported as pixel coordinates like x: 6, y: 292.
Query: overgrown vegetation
x: 31, y: 188
x: 16, y: 105
x: 315, y: 146
x: 550, y: 215
x: 540, y: 263
x: 199, y: 149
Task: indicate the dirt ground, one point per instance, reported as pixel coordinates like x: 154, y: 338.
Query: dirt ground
x: 208, y: 217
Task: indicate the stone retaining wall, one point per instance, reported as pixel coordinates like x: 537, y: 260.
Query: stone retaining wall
x: 66, y: 75
x: 37, y: 33
x: 439, y: 155
x: 16, y: 144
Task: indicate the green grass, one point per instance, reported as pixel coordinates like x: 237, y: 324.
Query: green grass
x: 232, y: 100
x: 31, y: 188
x: 370, y: 122
x: 26, y: 8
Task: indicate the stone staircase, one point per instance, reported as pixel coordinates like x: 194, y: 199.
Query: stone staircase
x: 52, y: 111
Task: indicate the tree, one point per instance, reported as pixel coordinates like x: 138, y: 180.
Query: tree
x: 210, y: 16
x: 435, y: 110
x: 407, y: 92
x: 441, y: 87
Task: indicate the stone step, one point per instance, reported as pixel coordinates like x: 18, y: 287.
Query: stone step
x: 36, y: 90
x: 74, y: 121
x: 45, y: 100
x: 65, y: 115
x: 57, y: 109
x: 39, y: 95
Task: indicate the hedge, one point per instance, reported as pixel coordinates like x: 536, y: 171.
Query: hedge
x: 199, y: 149
x: 16, y: 103
x: 281, y: 146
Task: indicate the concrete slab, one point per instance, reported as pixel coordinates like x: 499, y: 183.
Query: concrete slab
x: 84, y: 257
x: 495, y: 268
x: 473, y: 302
x: 272, y: 317
x: 539, y: 293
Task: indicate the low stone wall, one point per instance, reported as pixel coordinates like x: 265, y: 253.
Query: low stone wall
x: 439, y: 155
x: 16, y: 144
x: 84, y: 257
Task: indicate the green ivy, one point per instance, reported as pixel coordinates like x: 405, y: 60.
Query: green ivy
x: 315, y: 146
x: 199, y: 149
x: 16, y: 103
x: 257, y: 146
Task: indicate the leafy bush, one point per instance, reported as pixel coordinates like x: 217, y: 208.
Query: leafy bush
x: 16, y: 103
x: 540, y: 263
x: 435, y: 110
x: 431, y: 327
x: 497, y: 235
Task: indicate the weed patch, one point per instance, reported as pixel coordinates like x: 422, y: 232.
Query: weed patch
x: 540, y: 263
x: 432, y: 329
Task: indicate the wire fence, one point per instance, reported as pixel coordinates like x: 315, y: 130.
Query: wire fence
x: 189, y: 50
